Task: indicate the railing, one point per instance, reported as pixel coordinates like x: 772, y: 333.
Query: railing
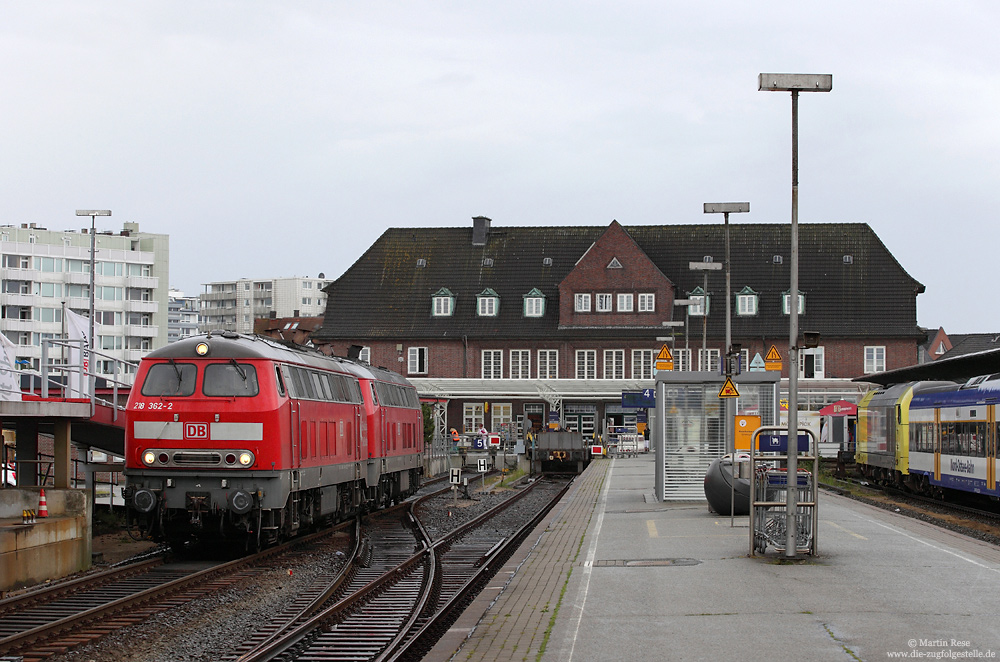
x: 84, y: 376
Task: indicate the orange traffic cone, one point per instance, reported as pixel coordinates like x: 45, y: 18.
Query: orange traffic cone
x: 43, y: 508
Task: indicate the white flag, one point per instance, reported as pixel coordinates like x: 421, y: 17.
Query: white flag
x: 10, y: 379
x: 78, y: 328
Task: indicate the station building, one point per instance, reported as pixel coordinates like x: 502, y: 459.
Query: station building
x: 511, y: 327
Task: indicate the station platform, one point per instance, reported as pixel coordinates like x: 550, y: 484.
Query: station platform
x: 49, y: 547
x: 612, y: 574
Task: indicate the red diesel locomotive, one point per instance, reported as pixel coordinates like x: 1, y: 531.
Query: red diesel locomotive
x: 242, y: 438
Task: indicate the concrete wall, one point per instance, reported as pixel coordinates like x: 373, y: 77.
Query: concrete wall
x: 52, y: 547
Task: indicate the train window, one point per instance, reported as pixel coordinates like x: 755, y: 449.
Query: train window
x: 230, y: 380
x: 340, y: 390
x: 280, y: 381
x: 321, y: 386
x: 165, y: 379
x: 302, y: 377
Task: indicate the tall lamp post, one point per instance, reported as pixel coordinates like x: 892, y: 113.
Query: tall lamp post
x: 93, y: 214
x: 727, y: 208
x: 794, y: 83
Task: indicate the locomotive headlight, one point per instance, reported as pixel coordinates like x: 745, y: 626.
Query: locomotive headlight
x: 148, y: 457
x: 246, y: 458
x: 201, y: 349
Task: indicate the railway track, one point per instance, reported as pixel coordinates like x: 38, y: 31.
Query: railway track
x: 407, y: 588
x: 43, y: 623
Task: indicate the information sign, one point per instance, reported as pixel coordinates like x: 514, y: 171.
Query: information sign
x: 482, y: 465
x: 639, y: 399
x: 664, y: 360
x: 455, y: 477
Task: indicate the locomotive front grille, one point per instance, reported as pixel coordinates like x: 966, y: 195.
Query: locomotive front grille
x: 197, y: 458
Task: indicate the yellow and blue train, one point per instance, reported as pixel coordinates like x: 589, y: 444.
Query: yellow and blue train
x: 930, y: 437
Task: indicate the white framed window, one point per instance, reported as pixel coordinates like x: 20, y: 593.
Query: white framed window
x: 501, y: 414
x: 603, y: 303
x: 548, y: 364
x: 700, y: 303
x: 625, y: 303
x: 586, y: 364
x: 365, y: 355
x: 417, y: 361
x: 520, y: 364
x: 473, y: 417
x: 811, y: 363
x: 708, y: 360
x: 581, y: 303
x: 647, y: 302
x: 487, y: 304
x: 614, y: 364
x: 874, y: 359
x: 784, y: 303
x: 746, y: 302
x: 443, y: 303
x: 492, y: 364
x: 643, y: 363
x: 682, y: 359
x: 534, y: 304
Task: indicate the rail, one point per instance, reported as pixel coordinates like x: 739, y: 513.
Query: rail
x: 85, y: 376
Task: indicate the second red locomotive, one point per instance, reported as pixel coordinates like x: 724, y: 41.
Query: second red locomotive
x: 243, y: 438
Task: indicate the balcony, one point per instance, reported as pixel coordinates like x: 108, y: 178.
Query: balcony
x: 134, y: 306
x: 26, y: 300
x: 18, y: 325
x: 141, y: 331
x: 142, y: 282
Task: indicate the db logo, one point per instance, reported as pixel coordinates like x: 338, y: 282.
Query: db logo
x: 196, y: 430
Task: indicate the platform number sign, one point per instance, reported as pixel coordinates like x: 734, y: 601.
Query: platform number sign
x: 482, y: 465
x: 456, y: 477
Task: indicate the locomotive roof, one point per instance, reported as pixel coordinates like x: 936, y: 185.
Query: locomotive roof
x: 231, y: 345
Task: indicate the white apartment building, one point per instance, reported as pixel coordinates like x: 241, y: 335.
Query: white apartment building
x: 44, y: 271
x: 233, y: 305
x: 182, y: 316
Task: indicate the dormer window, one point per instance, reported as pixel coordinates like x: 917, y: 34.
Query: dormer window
x: 534, y: 303
x: 699, y: 302
x: 488, y: 303
x: 784, y: 303
x: 746, y: 302
x: 443, y: 303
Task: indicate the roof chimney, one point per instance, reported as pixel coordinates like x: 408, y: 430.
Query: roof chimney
x: 480, y: 228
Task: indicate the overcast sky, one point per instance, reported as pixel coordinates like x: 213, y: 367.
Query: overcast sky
x: 275, y: 139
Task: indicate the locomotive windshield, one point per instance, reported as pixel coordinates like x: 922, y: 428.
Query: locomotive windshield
x: 170, y: 379
x: 230, y: 380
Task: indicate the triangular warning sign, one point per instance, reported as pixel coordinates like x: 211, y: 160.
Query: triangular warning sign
x: 772, y: 354
x: 664, y: 354
x: 729, y: 390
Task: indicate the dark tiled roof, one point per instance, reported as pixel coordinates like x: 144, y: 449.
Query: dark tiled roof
x: 970, y: 343
x: 386, y: 295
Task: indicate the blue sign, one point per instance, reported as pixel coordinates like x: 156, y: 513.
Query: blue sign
x: 639, y: 399
x: 479, y: 444
x: 772, y: 442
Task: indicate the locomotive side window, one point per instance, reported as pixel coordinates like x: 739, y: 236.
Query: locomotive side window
x: 230, y: 380
x: 280, y: 381
x: 170, y: 379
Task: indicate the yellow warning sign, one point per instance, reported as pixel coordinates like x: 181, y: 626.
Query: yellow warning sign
x: 664, y: 360
x: 729, y: 390
x: 773, y: 359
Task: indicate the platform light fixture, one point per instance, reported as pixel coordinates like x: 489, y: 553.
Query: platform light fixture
x: 794, y: 83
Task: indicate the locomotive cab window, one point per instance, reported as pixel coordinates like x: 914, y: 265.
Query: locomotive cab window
x: 230, y: 380
x: 165, y: 379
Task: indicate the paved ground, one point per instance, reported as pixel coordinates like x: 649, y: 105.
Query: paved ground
x: 615, y: 575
